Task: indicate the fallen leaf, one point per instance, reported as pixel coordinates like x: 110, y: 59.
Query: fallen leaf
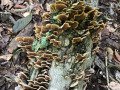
x: 117, y: 56
x: 114, y: 86
x: 18, y: 6
x: 48, y: 6
x: 4, y: 16
x: 117, y: 75
x: 6, y: 57
x: 22, y: 23
x: 110, y: 28
x: 37, y: 9
x: 4, y: 38
x: 7, y: 3
x: 2, y: 81
x: 26, y: 14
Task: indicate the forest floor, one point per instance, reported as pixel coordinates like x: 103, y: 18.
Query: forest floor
x: 13, y: 13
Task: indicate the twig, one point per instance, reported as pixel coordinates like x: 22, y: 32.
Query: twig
x: 106, y: 69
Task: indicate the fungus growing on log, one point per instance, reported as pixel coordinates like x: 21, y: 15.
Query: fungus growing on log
x: 61, y: 47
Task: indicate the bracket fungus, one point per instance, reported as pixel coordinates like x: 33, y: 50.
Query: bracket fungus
x: 79, y: 24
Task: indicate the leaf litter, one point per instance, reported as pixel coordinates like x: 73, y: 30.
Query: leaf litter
x: 22, y: 24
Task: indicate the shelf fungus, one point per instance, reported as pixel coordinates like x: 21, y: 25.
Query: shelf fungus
x: 61, y: 17
x: 73, y: 24
x: 25, y: 43
x: 58, y: 7
x: 80, y: 17
x: 65, y: 37
x: 46, y: 16
x: 80, y: 57
x: 77, y: 40
x: 27, y: 40
x: 55, y: 43
x: 53, y: 27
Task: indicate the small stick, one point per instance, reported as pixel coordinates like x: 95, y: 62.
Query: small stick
x: 106, y: 69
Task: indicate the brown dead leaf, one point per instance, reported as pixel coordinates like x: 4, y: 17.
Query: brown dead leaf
x: 37, y: 9
x: 18, y: 6
x: 1, y: 29
x: 48, y: 6
x: 4, y: 38
x: 7, y: 3
x: 6, y: 57
x: 114, y: 85
x: 110, y: 28
x: 117, y: 56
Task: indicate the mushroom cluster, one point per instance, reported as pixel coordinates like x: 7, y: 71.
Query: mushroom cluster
x: 63, y: 32
x: 37, y: 77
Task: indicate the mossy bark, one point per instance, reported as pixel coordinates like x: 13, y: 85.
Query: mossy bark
x: 60, y: 72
